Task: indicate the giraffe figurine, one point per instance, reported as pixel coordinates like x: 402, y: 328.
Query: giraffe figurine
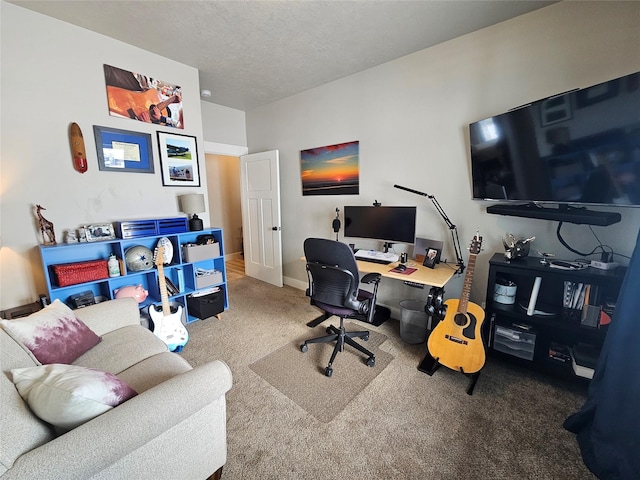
x: 46, y: 228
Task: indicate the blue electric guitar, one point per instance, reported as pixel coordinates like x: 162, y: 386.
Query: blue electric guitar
x: 167, y: 325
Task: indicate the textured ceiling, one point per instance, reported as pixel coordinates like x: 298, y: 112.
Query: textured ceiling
x: 251, y: 53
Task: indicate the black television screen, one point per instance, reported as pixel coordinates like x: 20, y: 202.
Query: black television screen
x: 390, y: 224
x: 579, y: 147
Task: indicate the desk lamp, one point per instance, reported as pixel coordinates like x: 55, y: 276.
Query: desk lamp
x: 452, y: 227
x: 192, y: 204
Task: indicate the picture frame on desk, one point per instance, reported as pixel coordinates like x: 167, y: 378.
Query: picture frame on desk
x: 422, y: 245
x: 431, y: 258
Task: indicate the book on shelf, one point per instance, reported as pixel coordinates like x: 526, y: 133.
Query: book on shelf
x: 578, y: 294
x: 171, y: 288
x: 583, y: 360
x: 180, y: 277
x: 586, y: 354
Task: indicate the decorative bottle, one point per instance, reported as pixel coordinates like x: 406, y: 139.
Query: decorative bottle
x: 114, y: 266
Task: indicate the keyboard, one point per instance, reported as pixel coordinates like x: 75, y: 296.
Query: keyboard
x: 377, y: 257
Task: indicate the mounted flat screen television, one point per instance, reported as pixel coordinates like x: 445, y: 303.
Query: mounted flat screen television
x: 573, y: 149
x: 389, y: 224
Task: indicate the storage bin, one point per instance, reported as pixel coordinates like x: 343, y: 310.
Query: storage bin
x: 158, y: 226
x: 206, y: 306
x: 80, y: 272
x: 212, y: 277
x: 413, y: 321
x: 514, y: 341
x: 198, y: 253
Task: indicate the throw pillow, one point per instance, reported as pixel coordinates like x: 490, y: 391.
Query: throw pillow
x: 53, y: 334
x: 67, y: 396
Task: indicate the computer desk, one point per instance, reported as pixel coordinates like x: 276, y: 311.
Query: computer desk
x: 435, y: 277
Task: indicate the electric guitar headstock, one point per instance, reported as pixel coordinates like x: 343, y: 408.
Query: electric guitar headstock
x: 163, y: 253
x: 158, y: 256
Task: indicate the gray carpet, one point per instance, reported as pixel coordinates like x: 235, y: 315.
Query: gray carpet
x: 300, y: 376
x: 403, y: 425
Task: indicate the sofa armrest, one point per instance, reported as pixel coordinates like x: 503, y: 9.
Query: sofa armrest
x: 101, y: 442
x: 105, y: 317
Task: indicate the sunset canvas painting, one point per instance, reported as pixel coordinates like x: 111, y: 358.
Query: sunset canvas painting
x: 331, y: 170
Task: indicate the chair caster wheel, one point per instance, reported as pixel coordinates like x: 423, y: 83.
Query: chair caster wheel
x: 371, y: 361
x: 366, y: 339
x: 304, y: 347
x: 328, y: 330
x: 328, y: 371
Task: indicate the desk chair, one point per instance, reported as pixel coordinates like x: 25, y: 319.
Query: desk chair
x: 334, y: 288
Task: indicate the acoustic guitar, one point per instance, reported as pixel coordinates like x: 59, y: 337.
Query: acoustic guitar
x: 456, y: 342
x: 167, y: 325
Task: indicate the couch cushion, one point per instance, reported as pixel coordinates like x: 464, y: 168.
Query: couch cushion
x: 122, y: 348
x: 20, y: 429
x: 68, y: 395
x: 53, y: 334
x: 154, y: 370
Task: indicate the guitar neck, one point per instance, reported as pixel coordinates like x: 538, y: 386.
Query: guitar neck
x: 466, y: 287
x: 164, y: 296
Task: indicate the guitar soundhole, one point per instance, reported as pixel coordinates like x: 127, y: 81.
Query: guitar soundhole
x: 461, y: 319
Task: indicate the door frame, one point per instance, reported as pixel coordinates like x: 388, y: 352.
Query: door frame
x: 215, y: 148
x: 225, y: 149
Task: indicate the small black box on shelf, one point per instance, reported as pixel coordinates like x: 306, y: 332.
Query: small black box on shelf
x: 82, y: 299
x: 206, y: 306
x: 559, y: 352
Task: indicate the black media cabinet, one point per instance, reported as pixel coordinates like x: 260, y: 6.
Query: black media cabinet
x: 529, y: 338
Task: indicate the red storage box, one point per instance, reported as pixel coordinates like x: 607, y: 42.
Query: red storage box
x: 73, y: 273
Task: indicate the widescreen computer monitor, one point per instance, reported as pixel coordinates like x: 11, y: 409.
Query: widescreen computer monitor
x: 389, y: 224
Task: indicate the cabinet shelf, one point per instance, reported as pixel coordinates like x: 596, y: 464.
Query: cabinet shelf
x: 516, y: 314
x: 559, y: 327
x: 180, y: 271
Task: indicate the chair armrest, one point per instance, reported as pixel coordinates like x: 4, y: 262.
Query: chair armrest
x: 371, y: 278
x: 101, y: 442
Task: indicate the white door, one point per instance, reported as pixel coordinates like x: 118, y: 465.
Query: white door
x: 261, y: 230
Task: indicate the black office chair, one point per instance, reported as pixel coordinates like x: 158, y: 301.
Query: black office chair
x: 334, y: 287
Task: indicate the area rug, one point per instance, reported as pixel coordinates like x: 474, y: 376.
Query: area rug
x: 300, y: 376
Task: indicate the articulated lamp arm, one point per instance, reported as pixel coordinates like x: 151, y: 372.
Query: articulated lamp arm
x: 454, y: 230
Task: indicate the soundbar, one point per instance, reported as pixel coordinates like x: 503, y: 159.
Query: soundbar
x: 564, y: 213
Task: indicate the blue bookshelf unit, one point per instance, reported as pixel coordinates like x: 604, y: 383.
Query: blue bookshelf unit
x: 181, y: 272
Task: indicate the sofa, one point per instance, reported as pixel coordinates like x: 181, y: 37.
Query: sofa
x: 172, y: 423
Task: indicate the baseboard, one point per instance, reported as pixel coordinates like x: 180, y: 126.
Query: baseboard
x: 292, y: 282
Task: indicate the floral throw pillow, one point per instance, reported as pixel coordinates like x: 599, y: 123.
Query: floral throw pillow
x: 52, y: 335
x: 67, y: 396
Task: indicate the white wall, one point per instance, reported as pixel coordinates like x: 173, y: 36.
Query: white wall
x: 411, y: 117
x: 52, y: 75
x: 223, y: 124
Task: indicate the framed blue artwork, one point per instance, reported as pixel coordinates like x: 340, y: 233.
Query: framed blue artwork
x: 123, y: 151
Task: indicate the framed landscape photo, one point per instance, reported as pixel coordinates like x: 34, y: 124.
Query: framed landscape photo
x: 123, y: 151
x: 178, y: 160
